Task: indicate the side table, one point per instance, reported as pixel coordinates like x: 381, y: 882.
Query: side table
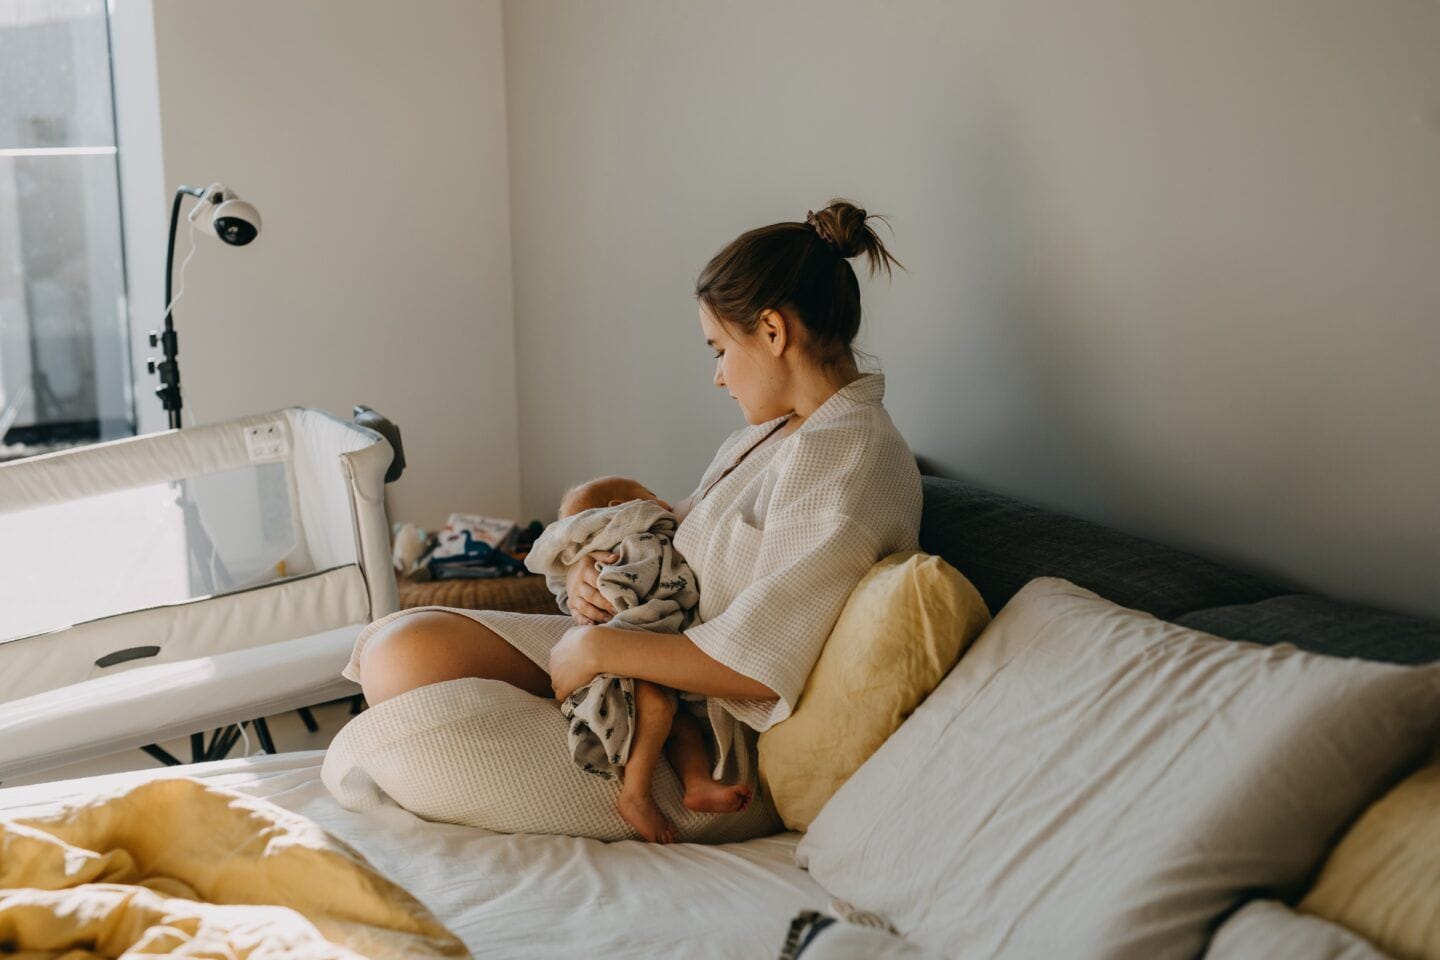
x: 523, y: 594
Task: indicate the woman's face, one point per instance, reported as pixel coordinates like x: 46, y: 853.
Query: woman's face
x: 745, y: 369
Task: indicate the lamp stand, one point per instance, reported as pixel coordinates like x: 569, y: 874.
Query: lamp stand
x: 169, y: 367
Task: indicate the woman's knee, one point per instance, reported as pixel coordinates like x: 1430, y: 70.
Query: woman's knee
x: 432, y: 646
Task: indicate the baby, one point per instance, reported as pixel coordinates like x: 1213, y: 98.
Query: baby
x: 620, y: 726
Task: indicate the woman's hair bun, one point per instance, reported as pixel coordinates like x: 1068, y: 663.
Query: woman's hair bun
x: 804, y: 267
x: 842, y: 225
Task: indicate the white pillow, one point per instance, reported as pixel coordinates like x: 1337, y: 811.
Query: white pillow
x: 485, y: 754
x: 1090, y: 781
x: 1266, y: 930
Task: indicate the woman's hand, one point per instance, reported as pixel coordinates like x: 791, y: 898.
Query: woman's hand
x: 587, y: 604
x: 572, y: 662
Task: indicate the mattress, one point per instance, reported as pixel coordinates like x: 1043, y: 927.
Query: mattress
x: 523, y: 895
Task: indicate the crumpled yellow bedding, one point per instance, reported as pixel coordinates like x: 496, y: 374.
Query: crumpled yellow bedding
x: 178, y: 868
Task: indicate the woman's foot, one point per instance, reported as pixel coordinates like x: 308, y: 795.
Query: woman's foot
x: 641, y: 813
x: 712, y: 796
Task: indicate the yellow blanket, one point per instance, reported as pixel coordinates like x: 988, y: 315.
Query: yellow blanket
x: 177, y: 868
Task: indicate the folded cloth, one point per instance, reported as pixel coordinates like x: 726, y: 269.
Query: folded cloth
x: 497, y: 532
x: 474, y: 546
x: 651, y: 588
x: 178, y: 867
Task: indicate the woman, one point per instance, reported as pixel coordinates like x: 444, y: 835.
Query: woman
x: 786, y: 520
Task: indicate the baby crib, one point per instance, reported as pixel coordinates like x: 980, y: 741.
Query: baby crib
x: 172, y: 583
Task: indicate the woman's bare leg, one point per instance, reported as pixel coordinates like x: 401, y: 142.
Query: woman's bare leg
x: 429, y: 646
x: 653, y: 712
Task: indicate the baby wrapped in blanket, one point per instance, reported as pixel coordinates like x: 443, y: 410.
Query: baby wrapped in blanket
x: 618, y: 726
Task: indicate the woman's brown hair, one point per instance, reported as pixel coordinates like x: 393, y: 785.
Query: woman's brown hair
x: 802, y: 267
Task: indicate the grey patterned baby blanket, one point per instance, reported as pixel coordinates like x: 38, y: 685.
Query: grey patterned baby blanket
x: 651, y: 588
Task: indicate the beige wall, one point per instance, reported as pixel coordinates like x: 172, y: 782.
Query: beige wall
x: 371, y: 135
x: 1173, y: 266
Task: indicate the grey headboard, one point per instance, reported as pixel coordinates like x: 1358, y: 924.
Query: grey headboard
x: 1001, y: 543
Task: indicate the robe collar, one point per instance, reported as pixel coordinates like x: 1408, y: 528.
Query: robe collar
x: 866, y: 389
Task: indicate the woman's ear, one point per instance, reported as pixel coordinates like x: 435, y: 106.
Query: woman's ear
x: 773, y: 331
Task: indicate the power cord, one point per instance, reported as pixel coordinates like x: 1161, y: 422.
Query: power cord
x: 183, y: 264
x: 246, y: 737
x: 180, y: 292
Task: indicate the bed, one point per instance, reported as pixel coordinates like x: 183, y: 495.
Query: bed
x: 519, y: 896
x: 524, y: 895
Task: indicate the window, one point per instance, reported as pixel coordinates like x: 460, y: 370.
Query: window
x: 65, y: 371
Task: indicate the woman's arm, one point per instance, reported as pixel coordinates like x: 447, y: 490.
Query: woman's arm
x: 669, y: 659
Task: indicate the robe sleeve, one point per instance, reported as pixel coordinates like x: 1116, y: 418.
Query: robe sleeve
x: 774, y: 629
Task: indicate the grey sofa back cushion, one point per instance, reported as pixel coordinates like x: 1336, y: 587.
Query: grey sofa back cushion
x: 1322, y: 625
x: 1000, y: 544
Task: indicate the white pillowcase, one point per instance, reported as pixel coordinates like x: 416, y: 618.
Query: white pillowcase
x: 1090, y: 781
x: 1266, y: 930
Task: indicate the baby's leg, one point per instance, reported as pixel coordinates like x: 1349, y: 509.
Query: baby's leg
x: 691, y: 759
x: 654, y: 710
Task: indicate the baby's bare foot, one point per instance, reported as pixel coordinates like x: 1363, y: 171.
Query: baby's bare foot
x: 641, y: 813
x: 712, y: 796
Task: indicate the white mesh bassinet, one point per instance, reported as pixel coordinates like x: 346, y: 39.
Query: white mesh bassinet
x: 171, y: 583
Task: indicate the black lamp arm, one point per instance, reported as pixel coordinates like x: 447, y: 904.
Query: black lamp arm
x: 180, y: 195
x: 169, y: 367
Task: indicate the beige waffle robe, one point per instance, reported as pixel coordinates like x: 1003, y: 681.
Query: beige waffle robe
x: 777, y: 544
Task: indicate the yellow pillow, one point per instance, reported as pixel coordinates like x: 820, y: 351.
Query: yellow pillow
x: 903, y: 628
x: 1383, y: 879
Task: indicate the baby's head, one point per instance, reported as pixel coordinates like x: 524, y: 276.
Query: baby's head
x: 604, y: 492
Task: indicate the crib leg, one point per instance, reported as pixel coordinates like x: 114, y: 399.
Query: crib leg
x: 357, y: 703
x: 161, y: 754
x: 208, y: 752
x: 263, y: 730
x: 226, y: 740
x: 309, y: 720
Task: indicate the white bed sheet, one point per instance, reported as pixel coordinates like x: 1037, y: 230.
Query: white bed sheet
x: 524, y: 895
